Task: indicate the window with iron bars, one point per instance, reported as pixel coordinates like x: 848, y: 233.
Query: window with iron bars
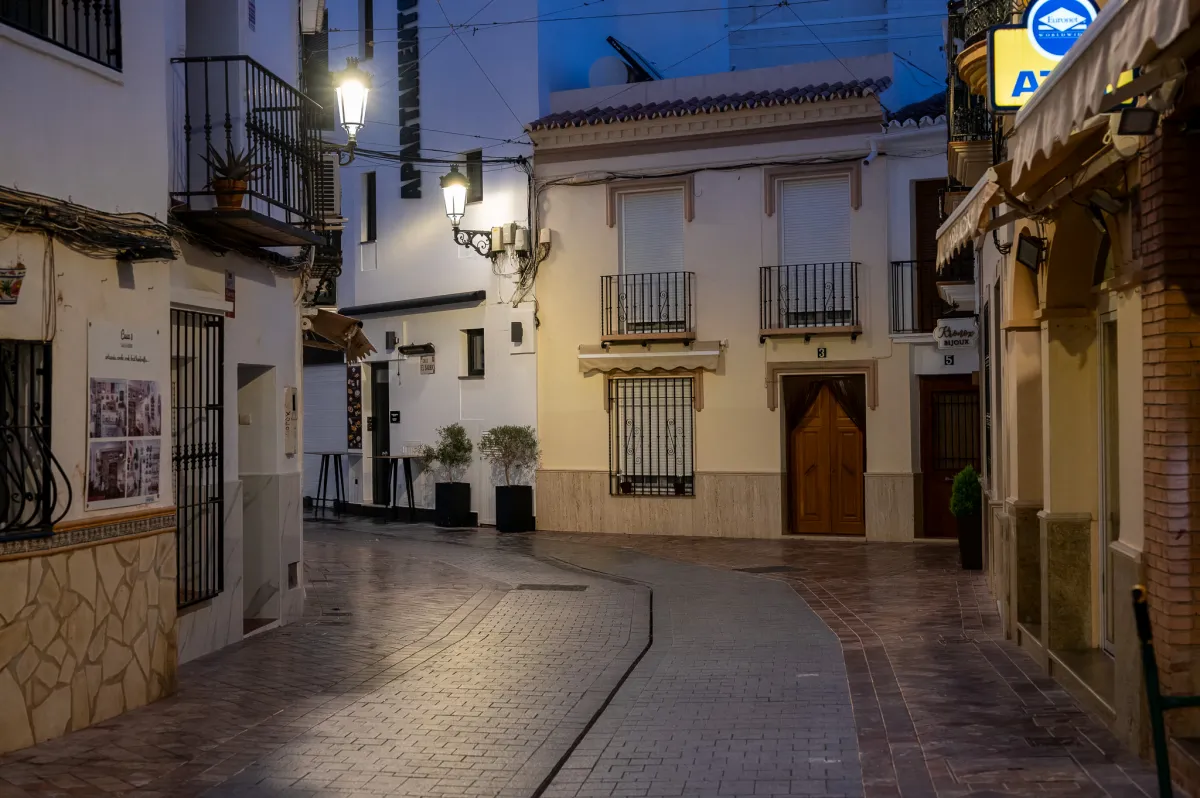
x: 651, y: 436
x: 35, y: 493
x: 88, y: 28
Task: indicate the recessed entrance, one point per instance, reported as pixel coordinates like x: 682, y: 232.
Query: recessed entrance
x: 949, y: 443
x: 826, y: 454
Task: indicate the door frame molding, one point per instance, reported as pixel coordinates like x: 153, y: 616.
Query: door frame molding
x: 837, y: 368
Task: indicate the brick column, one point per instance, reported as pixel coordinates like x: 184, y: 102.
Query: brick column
x: 1170, y: 250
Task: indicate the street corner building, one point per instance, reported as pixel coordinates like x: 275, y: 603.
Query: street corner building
x: 150, y: 347
x: 1075, y: 196
x: 741, y: 329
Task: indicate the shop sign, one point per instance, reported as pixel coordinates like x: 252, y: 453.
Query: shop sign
x: 955, y: 333
x: 1021, y: 57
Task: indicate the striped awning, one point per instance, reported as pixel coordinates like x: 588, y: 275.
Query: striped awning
x: 701, y: 355
x: 342, y: 331
x: 971, y: 217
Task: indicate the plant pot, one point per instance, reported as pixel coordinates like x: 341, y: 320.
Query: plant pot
x: 230, y: 194
x: 452, y: 504
x: 626, y: 487
x: 970, y: 541
x: 514, y: 508
x: 680, y: 489
x: 10, y: 283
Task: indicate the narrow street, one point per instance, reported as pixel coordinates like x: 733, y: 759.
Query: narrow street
x: 469, y: 664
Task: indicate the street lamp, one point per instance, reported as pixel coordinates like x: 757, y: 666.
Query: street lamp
x: 454, y: 190
x: 353, y: 85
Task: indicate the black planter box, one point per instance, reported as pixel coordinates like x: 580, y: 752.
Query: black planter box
x: 452, y: 504
x: 514, y: 508
x: 970, y: 541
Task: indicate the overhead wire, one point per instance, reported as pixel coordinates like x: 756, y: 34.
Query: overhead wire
x: 482, y: 71
x: 788, y: 5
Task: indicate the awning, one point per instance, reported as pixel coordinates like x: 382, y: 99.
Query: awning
x: 346, y: 333
x: 1126, y: 34
x: 702, y: 355
x: 971, y: 216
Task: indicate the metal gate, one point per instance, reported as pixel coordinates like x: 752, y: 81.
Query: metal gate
x: 197, y: 405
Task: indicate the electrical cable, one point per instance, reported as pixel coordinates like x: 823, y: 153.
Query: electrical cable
x: 482, y: 71
x: 787, y: 4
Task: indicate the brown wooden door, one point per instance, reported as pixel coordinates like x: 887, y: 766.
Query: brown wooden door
x: 949, y: 443
x: 827, y: 462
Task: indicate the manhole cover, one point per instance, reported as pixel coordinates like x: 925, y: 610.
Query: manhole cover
x: 767, y: 569
x: 1049, y: 742
x: 569, y: 588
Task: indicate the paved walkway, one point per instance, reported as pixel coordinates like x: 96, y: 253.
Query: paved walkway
x: 466, y: 663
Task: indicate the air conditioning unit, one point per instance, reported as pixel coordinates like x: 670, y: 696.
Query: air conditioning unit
x: 312, y: 12
x: 329, y: 194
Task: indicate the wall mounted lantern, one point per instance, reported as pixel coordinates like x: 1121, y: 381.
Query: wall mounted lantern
x: 353, y: 86
x: 454, y: 190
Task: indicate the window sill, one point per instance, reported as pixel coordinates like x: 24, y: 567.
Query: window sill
x: 58, y: 53
x: 471, y: 376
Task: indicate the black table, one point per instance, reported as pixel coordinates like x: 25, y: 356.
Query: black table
x: 339, y: 485
x: 393, y: 462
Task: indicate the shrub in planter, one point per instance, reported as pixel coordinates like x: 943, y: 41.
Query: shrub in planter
x: 512, y: 451
x: 231, y: 175
x: 966, y: 504
x: 450, y: 457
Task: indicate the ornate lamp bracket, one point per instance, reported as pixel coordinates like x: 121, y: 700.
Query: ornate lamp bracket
x: 478, y: 240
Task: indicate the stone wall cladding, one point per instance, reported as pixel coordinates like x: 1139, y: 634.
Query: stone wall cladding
x: 85, y: 634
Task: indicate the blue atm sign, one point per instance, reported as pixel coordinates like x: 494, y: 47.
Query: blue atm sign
x: 1021, y: 56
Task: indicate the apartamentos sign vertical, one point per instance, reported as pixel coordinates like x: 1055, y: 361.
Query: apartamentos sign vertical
x: 408, y: 56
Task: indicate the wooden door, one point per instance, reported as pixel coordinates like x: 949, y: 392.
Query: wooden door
x: 827, y: 462
x: 949, y: 443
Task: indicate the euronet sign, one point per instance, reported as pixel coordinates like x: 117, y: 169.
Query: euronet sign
x: 1021, y: 57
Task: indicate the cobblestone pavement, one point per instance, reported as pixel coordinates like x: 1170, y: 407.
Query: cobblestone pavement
x: 437, y: 663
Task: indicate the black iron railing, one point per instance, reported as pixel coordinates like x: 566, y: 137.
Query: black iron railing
x: 658, y: 303
x: 88, y: 28
x: 980, y: 15
x: 809, y: 295
x: 651, y: 433
x: 970, y: 119
x: 234, y: 104
x: 916, y: 305
x: 197, y: 407
x: 35, y: 493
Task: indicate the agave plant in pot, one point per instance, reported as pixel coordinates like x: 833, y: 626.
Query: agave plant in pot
x: 966, y: 502
x: 513, y: 452
x: 231, y: 175
x: 451, y: 455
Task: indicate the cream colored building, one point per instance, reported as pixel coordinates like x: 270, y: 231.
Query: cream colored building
x: 736, y: 316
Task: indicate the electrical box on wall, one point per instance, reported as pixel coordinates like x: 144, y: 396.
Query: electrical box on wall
x: 291, y: 422
x: 521, y: 326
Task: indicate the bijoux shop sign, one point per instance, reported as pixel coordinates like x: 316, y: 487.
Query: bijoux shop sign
x: 955, y: 333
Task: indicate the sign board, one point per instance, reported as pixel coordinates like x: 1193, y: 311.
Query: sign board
x: 125, y: 415
x: 427, y: 364
x: 1021, y: 57
x: 956, y: 333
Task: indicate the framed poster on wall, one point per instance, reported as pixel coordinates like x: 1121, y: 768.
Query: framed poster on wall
x: 125, y: 416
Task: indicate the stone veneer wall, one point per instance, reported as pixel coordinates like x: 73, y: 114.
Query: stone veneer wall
x: 86, y: 633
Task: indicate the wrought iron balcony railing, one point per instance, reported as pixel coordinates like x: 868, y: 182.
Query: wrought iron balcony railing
x: 809, y: 298
x: 916, y: 305
x: 88, y: 28
x: 233, y: 104
x: 970, y: 119
x: 35, y: 493
x: 645, y: 307
x: 980, y: 15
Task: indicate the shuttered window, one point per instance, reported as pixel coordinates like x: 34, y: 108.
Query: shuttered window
x: 651, y: 230
x: 651, y: 427
x: 814, y: 226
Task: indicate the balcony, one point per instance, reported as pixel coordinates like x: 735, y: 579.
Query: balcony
x: 647, y: 308
x: 88, y: 28
x: 970, y: 149
x: 981, y: 15
x: 808, y: 299
x: 916, y: 304
x: 232, y: 104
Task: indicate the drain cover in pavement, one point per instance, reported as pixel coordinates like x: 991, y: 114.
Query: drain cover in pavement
x: 767, y: 569
x: 1049, y: 742
x: 552, y: 587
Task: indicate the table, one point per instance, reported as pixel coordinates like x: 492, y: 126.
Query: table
x: 339, y: 484
x: 393, y: 461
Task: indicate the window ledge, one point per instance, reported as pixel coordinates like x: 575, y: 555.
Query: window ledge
x: 58, y: 53
x: 912, y: 338
x: 471, y: 376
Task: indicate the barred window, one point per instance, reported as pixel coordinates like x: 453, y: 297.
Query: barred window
x: 651, y: 435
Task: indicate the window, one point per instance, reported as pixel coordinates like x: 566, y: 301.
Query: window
x: 474, y: 161
x: 315, y: 78
x: 367, y: 32
x: 651, y: 243
x: 651, y: 425
x: 986, y: 357
x: 369, y: 222
x: 818, y: 284
x: 89, y: 28
x: 474, y: 353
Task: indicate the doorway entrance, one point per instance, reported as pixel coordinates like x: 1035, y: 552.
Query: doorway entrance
x: 381, y: 443
x: 827, y: 454
x: 949, y: 443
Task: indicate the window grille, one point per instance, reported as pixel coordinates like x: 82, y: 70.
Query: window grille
x: 651, y: 436
x: 89, y: 28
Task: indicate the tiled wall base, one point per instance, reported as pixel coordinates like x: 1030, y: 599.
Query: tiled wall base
x: 1066, y: 550
x: 86, y: 633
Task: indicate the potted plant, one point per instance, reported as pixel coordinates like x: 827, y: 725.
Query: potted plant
x: 451, y: 455
x: 966, y: 500
x: 231, y: 173
x: 514, y: 451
